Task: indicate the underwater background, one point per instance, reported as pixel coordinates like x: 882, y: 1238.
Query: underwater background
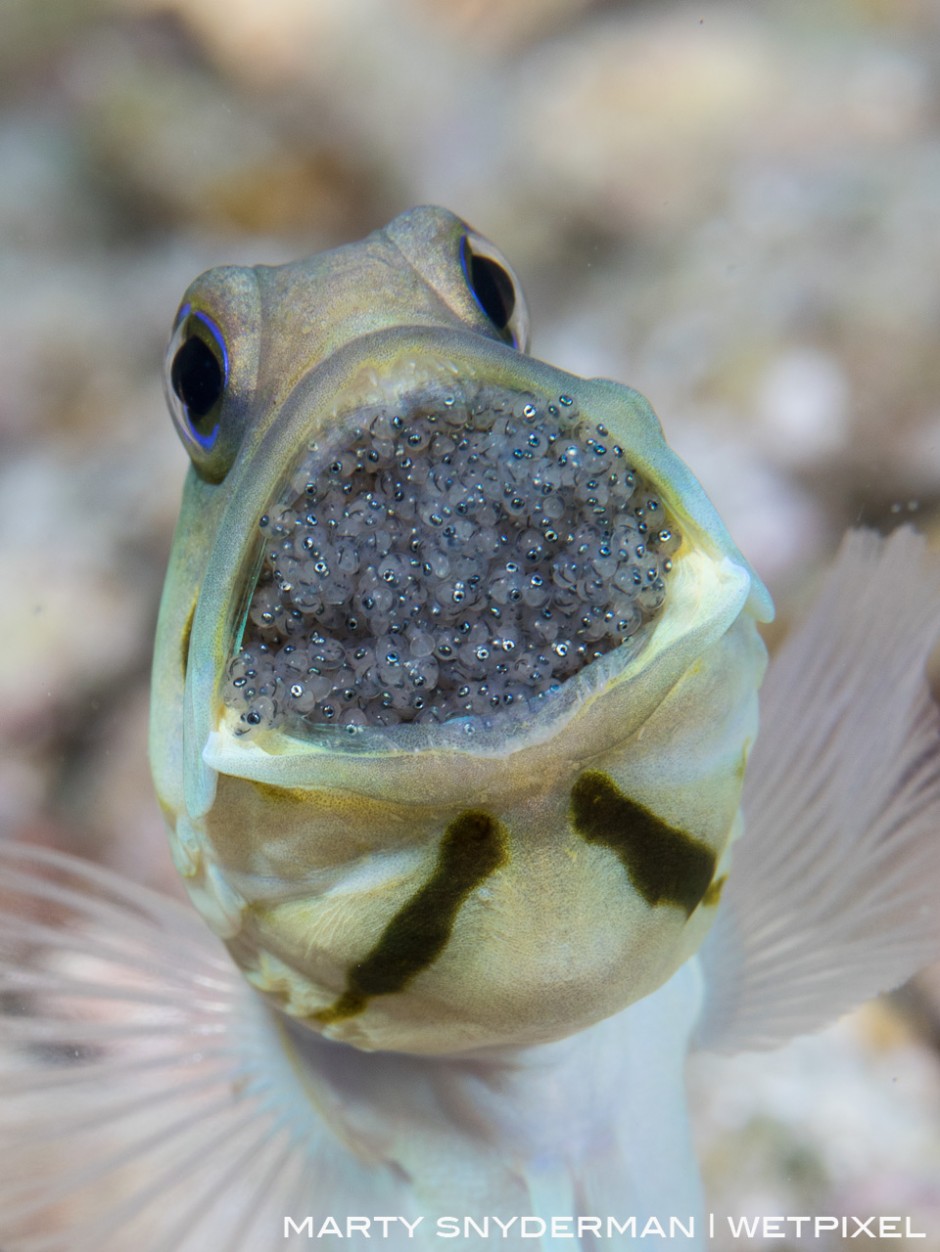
x: 733, y: 208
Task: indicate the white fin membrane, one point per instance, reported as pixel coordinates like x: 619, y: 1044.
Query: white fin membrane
x: 148, y: 1099
x: 834, y: 888
x: 134, y: 1110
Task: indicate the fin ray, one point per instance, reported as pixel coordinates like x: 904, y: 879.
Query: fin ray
x: 134, y: 1077
x: 121, y: 933
x: 831, y: 896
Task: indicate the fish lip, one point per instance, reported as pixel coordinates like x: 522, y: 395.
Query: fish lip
x: 369, y: 370
x: 431, y: 768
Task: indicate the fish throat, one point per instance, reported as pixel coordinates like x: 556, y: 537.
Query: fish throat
x: 457, y: 553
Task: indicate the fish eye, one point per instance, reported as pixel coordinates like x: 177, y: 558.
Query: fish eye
x: 197, y: 377
x: 198, y: 380
x: 211, y: 367
x: 494, y: 288
x: 491, y: 285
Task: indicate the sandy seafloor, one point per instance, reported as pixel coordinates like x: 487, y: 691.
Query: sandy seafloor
x: 733, y: 207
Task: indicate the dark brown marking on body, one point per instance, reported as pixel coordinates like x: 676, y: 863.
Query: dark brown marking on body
x: 667, y: 866
x: 473, y: 847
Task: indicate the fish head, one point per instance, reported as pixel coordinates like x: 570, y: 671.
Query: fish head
x: 456, y: 666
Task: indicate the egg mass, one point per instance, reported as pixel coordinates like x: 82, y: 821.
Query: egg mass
x: 458, y: 554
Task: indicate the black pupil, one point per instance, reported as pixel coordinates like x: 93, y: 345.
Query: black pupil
x: 196, y: 376
x: 494, y: 290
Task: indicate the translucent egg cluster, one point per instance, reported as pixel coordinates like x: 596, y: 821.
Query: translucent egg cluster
x: 454, y: 556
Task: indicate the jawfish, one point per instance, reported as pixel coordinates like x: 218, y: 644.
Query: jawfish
x: 456, y: 668
x: 454, y: 698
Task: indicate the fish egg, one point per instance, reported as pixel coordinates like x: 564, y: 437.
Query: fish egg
x: 423, y: 545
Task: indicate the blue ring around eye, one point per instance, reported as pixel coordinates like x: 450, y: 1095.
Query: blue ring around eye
x: 207, y: 441
x: 219, y: 338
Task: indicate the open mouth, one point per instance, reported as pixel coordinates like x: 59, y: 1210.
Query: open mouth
x: 458, y: 553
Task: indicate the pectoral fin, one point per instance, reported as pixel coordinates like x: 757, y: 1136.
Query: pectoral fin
x: 832, y: 896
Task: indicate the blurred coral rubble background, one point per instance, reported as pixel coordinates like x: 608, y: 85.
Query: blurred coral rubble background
x: 734, y: 208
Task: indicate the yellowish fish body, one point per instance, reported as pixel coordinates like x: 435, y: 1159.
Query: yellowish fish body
x: 455, y: 692
x: 476, y: 881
